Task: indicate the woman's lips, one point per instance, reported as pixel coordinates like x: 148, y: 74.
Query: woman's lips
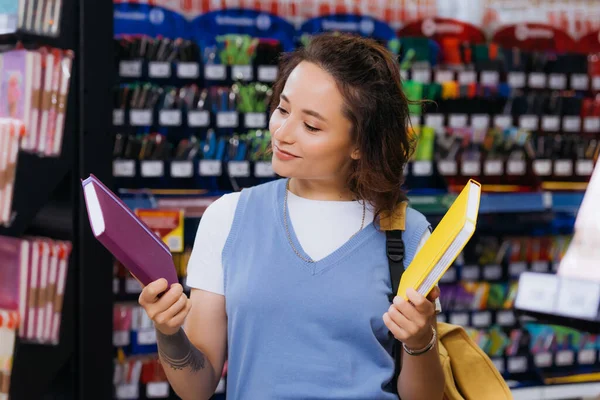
x: 284, y: 155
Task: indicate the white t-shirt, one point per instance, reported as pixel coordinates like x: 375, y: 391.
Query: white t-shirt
x: 320, y: 226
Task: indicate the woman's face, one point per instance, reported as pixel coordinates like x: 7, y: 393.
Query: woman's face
x: 311, y: 137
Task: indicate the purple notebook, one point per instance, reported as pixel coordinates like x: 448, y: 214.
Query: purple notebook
x: 14, y: 268
x: 127, y: 237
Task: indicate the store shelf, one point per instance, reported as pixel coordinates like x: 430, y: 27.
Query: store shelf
x: 558, y: 392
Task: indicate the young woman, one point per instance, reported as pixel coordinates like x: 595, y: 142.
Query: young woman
x: 290, y: 279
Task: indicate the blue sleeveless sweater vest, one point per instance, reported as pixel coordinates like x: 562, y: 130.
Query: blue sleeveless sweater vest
x: 299, y: 330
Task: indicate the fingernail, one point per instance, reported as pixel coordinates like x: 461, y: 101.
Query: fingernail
x: 397, y: 300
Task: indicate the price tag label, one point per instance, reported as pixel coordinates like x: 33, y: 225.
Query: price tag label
x: 130, y: 69
x: 146, y: 336
x: 458, y: 120
x: 467, y: 77
x: 584, y: 167
x: 421, y: 75
x: 169, y: 117
x: 159, y: 69
x: 152, y: 168
x: 542, y: 167
x: 188, y: 70
x: 121, y: 338
x: 238, y: 169
x: 471, y: 168
x: 572, y: 124
x: 516, y: 80
x: 580, y: 82
x: 182, y: 169
x: 596, y: 83
x: 591, y: 124
x: 539, y: 266
x: 267, y: 73
x: 550, y: 123
x: 422, y: 168
x: 210, y: 168
x: 490, y: 78
x: 480, y: 121
x: 442, y: 76
x: 123, y: 168
x: 492, y: 272
x: 537, y: 80
x: 529, y: 122
x: 482, y: 319
x: 461, y: 319
x: 543, y: 360
x: 537, y: 292
x: 129, y: 391
x: 503, y: 121
x: 493, y: 168
x: 132, y: 286
x: 578, y: 298
x: 227, y: 119
x: 157, y: 390
x: 115, y: 285
x: 403, y: 75
x: 499, y: 364
x: 198, y: 119
x: 470, y: 273
x: 263, y: 169
x: 516, y: 167
x: 255, y: 120
x: 215, y: 72
x: 118, y: 117
x: 563, y: 167
x: 140, y: 117
x: 565, y: 357
x: 516, y: 268
x: 517, y: 364
x: 242, y: 72
x: 505, y: 318
x: 436, y: 121
x: 447, y: 167
x: 586, y: 357
x: 557, y: 81
x: 449, y: 276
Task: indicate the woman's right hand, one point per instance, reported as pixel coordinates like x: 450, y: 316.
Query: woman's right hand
x: 168, y: 311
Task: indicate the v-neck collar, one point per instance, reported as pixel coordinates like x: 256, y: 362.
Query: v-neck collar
x: 331, y: 259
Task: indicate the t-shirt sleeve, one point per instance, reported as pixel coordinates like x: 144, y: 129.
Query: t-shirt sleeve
x: 205, y: 266
x: 426, y: 234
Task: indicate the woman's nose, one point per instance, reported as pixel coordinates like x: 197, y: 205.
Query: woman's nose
x: 284, y: 132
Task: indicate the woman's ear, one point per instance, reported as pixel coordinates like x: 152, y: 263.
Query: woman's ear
x: 355, y: 154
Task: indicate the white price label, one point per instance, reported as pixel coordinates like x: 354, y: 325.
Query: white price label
x: 550, y: 123
x: 128, y: 391
x: 255, y: 120
x: 182, y: 169
x: 492, y: 272
x: 458, y: 120
x: 118, y: 117
x: 503, y: 121
x: 499, y: 364
x: 447, y: 167
x: 529, y: 122
x: 210, y: 168
x: 467, y: 77
x: 152, y: 168
x: 580, y: 82
x: 470, y: 168
x: 586, y: 357
x: 517, y: 364
x: 516, y: 167
x: 159, y: 69
x: 132, y: 286
x: 490, y: 78
x: 505, y: 318
x: 121, y: 338
x: 480, y: 121
x: 572, y: 124
x: 557, y: 81
x: 130, y: 69
x: 542, y: 167
x: 537, y: 292
x: 516, y: 268
x: 422, y: 168
x: 188, y: 70
x: 493, y: 168
x: 169, y: 117
x: 461, y: 319
x: 157, y: 390
x: 238, y: 169
x: 543, y: 360
x: 436, y: 121
x: 537, y: 80
x: 482, y: 319
x: 403, y: 75
x: 565, y: 357
x: 596, y: 83
x: 516, y: 80
x: 198, y: 118
x: 421, y: 75
x: 267, y: 73
x: 539, y: 266
x: 563, y: 167
x: 584, y: 167
x: 215, y: 72
x: 591, y: 124
x: 140, y: 117
x: 146, y: 336
x: 242, y: 72
x: 470, y: 272
x: 449, y: 276
x: 227, y: 119
x: 263, y: 169
x: 443, y: 76
x: 115, y: 285
x: 123, y: 168
x: 578, y: 298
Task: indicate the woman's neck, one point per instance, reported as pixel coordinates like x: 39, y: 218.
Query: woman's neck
x: 316, y: 189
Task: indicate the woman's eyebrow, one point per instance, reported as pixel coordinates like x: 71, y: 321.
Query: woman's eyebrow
x: 308, y: 112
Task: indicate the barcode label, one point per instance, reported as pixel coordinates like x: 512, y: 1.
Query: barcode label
x: 543, y: 360
x: 175, y: 244
x: 458, y: 120
x: 503, y: 121
x: 169, y: 117
x: 470, y: 168
x: 267, y: 73
x: 470, y: 273
x: 188, y: 70
x: 118, y: 117
x: 580, y: 82
x: 443, y: 76
x: 572, y: 124
x: 586, y: 357
x: 461, y: 319
x: 146, y: 336
x: 227, y: 119
x: 542, y: 167
x: 130, y: 69
x: 152, y: 169
x: 493, y: 168
x: 467, y: 77
x: 557, y: 81
x: 563, y: 167
x: 550, y: 123
x: 197, y: 119
x: 210, y: 168
x: 499, y: 364
x: 492, y: 272
x: 140, y: 117
x: 159, y: 69
x: 129, y: 391
x: 565, y: 357
x: 591, y: 124
x: 132, y: 286
x: 447, y: 167
x: 517, y: 364
x: 596, y: 83
x: 242, y: 72
x: 537, y: 80
x: 516, y: 268
x: 436, y: 121
x: 263, y: 169
x: 238, y: 169
x: 157, y: 390
x: 120, y: 338
x: 505, y: 318
x: 584, y: 167
x: 516, y: 167
x: 539, y: 266
x: 480, y: 121
x: 422, y: 168
x: 516, y: 80
x: 490, y: 78
x: 215, y: 72
x: 421, y: 75
x: 182, y: 169
x: 482, y: 319
x: 529, y: 122
x: 124, y: 168
x: 255, y: 120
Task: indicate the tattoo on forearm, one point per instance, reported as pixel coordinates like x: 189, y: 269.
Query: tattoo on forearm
x: 178, y: 352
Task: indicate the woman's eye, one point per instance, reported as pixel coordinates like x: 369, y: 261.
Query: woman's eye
x: 282, y: 110
x: 311, y: 128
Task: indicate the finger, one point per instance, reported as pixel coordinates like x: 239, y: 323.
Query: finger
x: 399, y: 319
x: 150, y: 293
x: 434, y: 294
x: 407, y: 309
x: 397, y: 331
x: 172, y: 311
x: 170, y: 297
x: 179, y: 319
x: 420, y: 302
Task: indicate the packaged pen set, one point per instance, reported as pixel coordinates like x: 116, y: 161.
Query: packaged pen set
x: 40, y: 17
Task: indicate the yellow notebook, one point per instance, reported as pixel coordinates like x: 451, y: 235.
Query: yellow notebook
x: 445, y: 243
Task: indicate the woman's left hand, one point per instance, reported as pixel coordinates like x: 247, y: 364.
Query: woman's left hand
x: 410, y: 321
